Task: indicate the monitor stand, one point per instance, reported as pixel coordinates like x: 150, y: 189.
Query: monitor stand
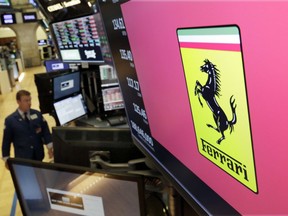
x: 96, y: 121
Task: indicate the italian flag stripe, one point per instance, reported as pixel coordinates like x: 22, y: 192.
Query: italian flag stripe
x: 211, y: 46
x: 226, y: 39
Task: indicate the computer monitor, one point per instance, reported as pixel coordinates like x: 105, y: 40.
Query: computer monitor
x: 55, y: 10
x: 111, y: 104
x: 34, y: 3
x: 108, y: 76
x: 77, y: 40
x: 5, y: 4
x: 55, y: 65
x: 60, y: 190
x: 70, y: 108
x: 42, y: 42
x: 112, y: 99
x: 29, y: 17
x: 66, y: 85
x: 44, y: 84
x: 81, y: 141
x: 199, y: 64
x: 8, y: 18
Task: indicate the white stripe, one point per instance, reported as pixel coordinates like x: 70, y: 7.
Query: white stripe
x: 231, y: 39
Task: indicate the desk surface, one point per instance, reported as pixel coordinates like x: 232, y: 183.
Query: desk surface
x: 94, y: 121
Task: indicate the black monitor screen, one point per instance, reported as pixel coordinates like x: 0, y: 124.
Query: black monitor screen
x: 5, y: 3
x: 45, y: 87
x: 8, y: 19
x: 112, y: 99
x: 42, y: 42
x: 54, y: 189
x: 55, y: 65
x: 77, y: 40
x: 108, y: 76
x: 66, y: 85
x: 29, y: 17
x: 156, y: 98
x: 69, y: 141
x: 33, y: 3
x: 56, y: 10
x: 70, y: 109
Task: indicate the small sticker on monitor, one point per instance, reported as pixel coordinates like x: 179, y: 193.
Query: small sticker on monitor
x: 75, y: 203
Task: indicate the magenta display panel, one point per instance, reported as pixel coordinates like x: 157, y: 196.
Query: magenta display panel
x: 152, y: 27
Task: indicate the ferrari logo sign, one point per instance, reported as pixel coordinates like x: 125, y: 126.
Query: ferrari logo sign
x: 214, y: 72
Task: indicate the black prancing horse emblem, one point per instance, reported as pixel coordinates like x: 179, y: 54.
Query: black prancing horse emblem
x: 208, y: 92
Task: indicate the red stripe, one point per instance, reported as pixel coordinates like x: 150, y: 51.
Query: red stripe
x: 211, y: 46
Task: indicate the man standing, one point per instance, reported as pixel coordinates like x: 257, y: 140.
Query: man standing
x: 27, y: 130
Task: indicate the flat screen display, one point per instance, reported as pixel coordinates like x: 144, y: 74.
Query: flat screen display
x: 66, y: 84
x: 116, y: 140
x: 78, y: 40
x: 42, y: 42
x: 55, y: 10
x: 112, y: 99
x: 8, y: 19
x: 34, y: 3
x: 108, y: 76
x: 204, y: 73
x: 55, y: 65
x: 5, y: 3
x: 62, y: 190
x: 70, y: 109
x: 29, y: 17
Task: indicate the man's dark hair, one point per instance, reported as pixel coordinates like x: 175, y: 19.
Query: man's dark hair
x: 21, y: 93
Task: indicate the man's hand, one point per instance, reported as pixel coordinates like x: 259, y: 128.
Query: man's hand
x: 50, y: 153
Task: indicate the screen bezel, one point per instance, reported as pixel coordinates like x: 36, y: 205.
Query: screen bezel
x: 49, y: 65
x: 71, y: 169
x: 61, y: 76
x: 103, y: 90
x: 42, y: 42
x: 29, y: 14
x: 44, y: 84
x: 83, y: 140
x: 108, y: 76
x: 8, y: 5
x: 81, y: 9
x: 109, y: 80
x: 71, y: 119
x: 196, y: 192
x: 105, y: 114
x: 89, y: 61
x: 13, y: 18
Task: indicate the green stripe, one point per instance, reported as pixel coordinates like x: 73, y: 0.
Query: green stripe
x: 231, y: 30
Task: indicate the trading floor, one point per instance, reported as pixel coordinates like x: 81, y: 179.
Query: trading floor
x: 8, y: 105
